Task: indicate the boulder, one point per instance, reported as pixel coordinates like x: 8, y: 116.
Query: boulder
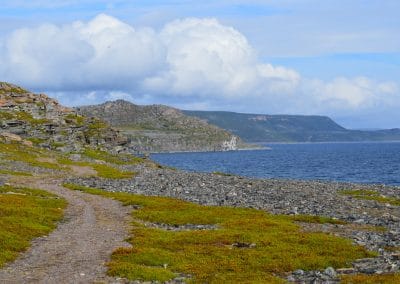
x: 8, y: 137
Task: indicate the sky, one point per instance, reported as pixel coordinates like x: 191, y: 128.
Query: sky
x: 339, y: 58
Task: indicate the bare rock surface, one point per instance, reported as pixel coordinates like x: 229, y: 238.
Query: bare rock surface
x: 76, y: 252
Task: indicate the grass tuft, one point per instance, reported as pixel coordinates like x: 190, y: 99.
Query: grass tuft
x: 106, y: 171
x: 14, y: 173
x: 371, y: 279
x: 120, y: 159
x: 317, y: 219
x: 371, y: 195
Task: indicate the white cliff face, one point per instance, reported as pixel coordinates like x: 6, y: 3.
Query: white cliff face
x: 230, y: 145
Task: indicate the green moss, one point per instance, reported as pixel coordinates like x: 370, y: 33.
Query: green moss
x: 103, y: 170
x: 6, y: 115
x: 106, y: 171
x: 371, y: 279
x: 36, y: 140
x: 138, y: 271
x: 40, y: 104
x: 14, y: 173
x: 119, y: 159
x: 56, y: 144
x: 76, y: 119
x: 12, y: 89
x: 371, y: 195
x: 29, y: 155
x: 27, y: 117
x: 209, y: 255
x: 24, y: 215
x: 222, y: 174
x: 95, y: 128
x: 316, y: 219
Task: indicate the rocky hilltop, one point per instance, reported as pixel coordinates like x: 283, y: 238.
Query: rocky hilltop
x: 40, y: 120
x: 159, y: 128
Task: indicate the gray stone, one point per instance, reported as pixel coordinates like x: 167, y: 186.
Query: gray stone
x: 330, y: 271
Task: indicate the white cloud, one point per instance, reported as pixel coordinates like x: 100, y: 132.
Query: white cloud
x: 104, y: 53
x: 188, y: 62
x: 349, y: 94
x: 112, y: 96
x: 206, y: 58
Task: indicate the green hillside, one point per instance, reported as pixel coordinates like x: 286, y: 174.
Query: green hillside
x: 289, y: 128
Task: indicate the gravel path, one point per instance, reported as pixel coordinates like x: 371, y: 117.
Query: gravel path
x: 78, y: 249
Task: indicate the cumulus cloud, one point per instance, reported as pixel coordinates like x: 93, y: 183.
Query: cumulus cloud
x: 104, y: 53
x: 192, y: 62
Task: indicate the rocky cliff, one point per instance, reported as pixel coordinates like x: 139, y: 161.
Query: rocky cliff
x: 40, y: 120
x: 158, y: 128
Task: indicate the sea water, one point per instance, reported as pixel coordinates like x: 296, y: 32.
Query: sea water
x: 365, y: 162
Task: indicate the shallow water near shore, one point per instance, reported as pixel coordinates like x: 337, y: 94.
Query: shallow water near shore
x: 364, y: 162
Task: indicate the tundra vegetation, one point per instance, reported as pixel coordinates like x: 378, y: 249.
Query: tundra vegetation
x: 242, y: 245
x: 371, y: 195
x: 25, y: 214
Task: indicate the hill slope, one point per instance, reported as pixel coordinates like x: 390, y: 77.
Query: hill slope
x: 289, y: 128
x: 43, y: 121
x: 158, y: 128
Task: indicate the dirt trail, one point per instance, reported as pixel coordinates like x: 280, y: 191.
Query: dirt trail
x: 78, y: 249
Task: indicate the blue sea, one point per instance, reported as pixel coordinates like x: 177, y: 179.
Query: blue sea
x: 377, y: 163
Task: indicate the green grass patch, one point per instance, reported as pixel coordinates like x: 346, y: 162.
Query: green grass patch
x: 119, y: 159
x: 14, y: 173
x: 18, y: 152
x: 222, y: 174
x: 95, y: 128
x: 36, y: 140
x: 22, y: 115
x: 371, y: 195
x: 57, y: 144
x: 371, y: 279
x: 76, y: 119
x: 25, y: 116
x: 103, y: 170
x: 6, y: 115
x: 12, y: 89
x: 317, y: 219
x: 29, y: 155
x: 106, y: 171
x: 209, y: 255
x: 25, y: 214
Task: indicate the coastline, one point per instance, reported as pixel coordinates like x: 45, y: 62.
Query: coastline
x: 335, y: 200
x: 363, y: 163
x: 333, y: 142
x: 212, y: 151
x: 263, y: 146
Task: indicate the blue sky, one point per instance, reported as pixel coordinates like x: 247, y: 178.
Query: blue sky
x: 335, y: 57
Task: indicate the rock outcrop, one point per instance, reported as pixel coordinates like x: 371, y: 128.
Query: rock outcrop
x: 159, y: 128
x: 44, y: 122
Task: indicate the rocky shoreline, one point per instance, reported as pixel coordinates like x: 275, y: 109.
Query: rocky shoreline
x: 369, y: 223
x: 251, y: 147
